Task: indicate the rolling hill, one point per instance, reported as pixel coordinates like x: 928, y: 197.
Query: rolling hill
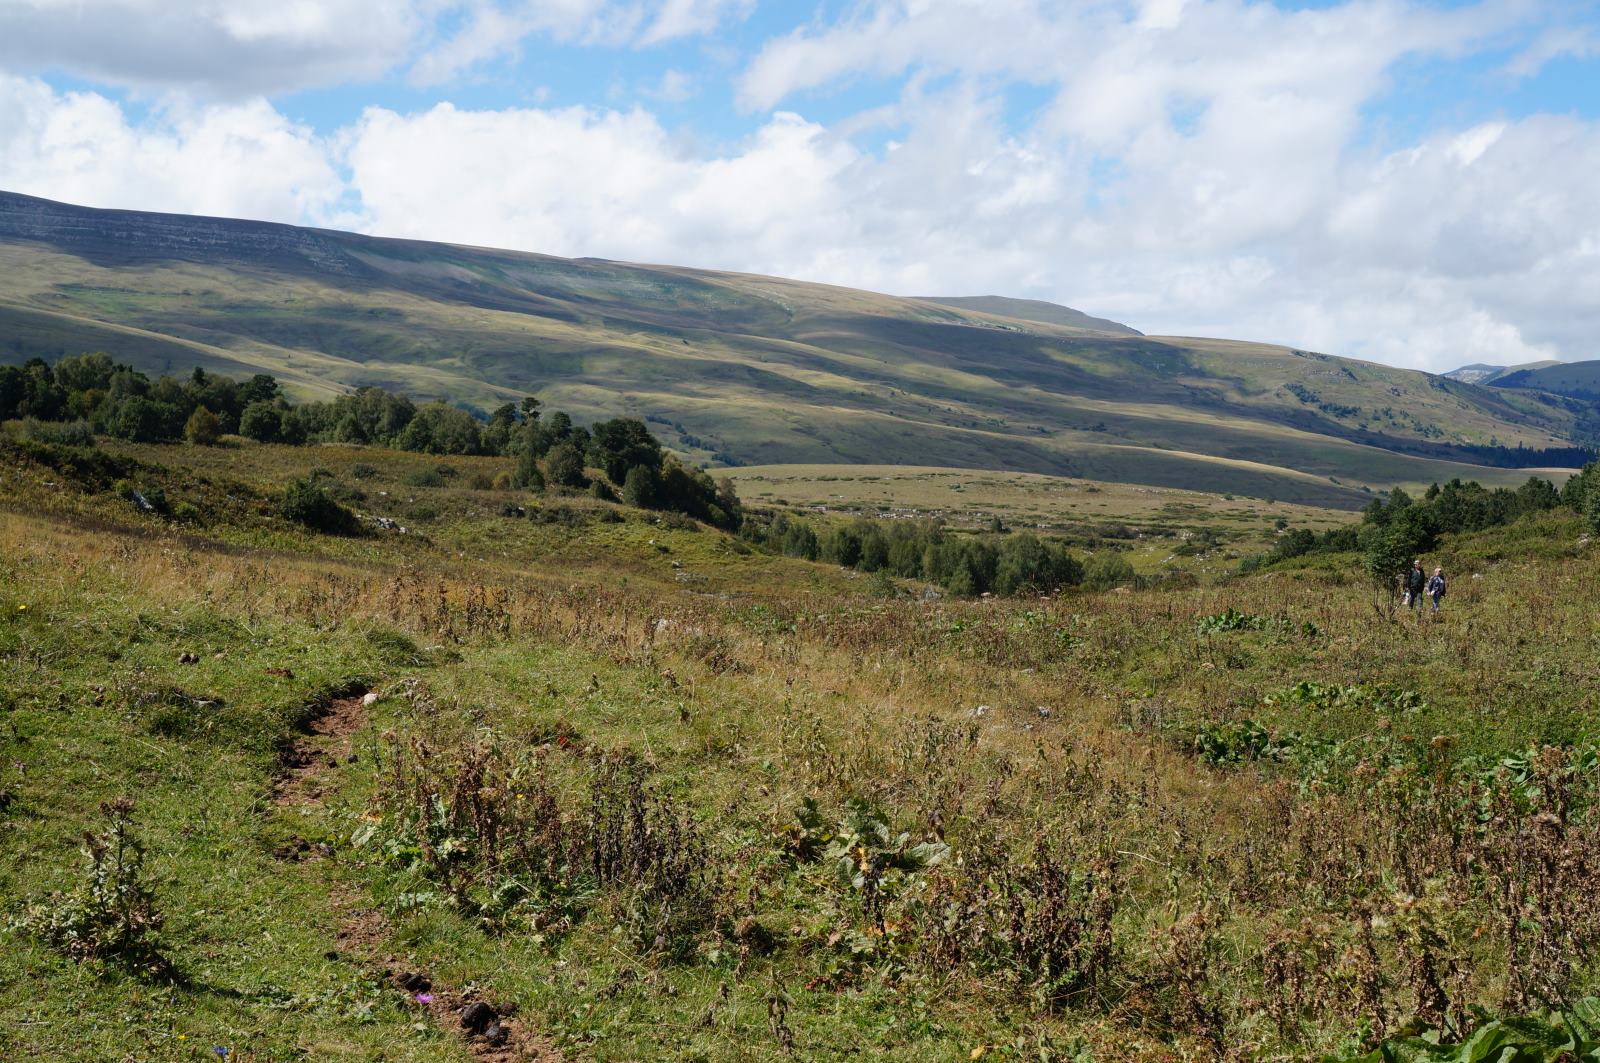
x: 1576, y: 379
x: 744, y: 369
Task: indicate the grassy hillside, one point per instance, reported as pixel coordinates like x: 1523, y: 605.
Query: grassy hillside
x: 741, y: 369
x: 1577, y: 379
x: 1033, y: 310
x: 649, y: 794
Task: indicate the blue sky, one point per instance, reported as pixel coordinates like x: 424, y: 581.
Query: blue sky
x: 1404, y: 181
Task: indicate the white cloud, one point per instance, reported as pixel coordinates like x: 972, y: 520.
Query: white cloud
x: 685, y: 18
x: 497, y: 28
x: 229, y: 48
x: 242, y: 160
x: 1200, y: 168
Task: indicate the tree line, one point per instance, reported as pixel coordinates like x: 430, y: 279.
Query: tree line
x: 90, y: 393
x: 999, y: 562
x: 1394, y: 529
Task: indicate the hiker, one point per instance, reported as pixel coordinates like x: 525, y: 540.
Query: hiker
x: 1436, y: 587
x: 1416, y: 581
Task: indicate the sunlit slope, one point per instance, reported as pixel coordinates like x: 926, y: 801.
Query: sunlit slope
x: 740, y: 368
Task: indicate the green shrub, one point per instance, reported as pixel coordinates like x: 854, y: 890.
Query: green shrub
x: 1105, y: 570
x: 62, y: 434
x: 308, y: 503
x: 203, y: 428
x: 425, y: 478
x: 113, y: 914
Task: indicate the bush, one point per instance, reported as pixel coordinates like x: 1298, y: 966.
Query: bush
x: 203, y: 428
x: 566, y: 466
x: 308, y: 503
x: 425, y: 478
x: 1106, y: 570
x: 64, y: 434
x: 113, y: 915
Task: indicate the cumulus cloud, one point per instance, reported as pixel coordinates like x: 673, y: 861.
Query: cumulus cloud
x: 1198, y: 168
x: 242, y: 159
x: 221, y: 47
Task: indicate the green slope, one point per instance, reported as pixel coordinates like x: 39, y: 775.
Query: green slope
x: 1032, y: 310
x: 741, y: 368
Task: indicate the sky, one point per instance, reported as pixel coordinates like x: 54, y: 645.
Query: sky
x: 1414, y: 183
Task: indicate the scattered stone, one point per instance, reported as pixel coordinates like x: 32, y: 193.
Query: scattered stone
x: 1044, y: 712
x: 369, y: 698
x: 981, y: 711
x: 142, y: 502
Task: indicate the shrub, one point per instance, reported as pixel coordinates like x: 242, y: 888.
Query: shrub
x: 64, y: 434
x: 565, y: 463
x: 1107, y: 569
x: 202, y: 428
x: 424, y: 478
x: 112, y: 915
x: 308, y: 503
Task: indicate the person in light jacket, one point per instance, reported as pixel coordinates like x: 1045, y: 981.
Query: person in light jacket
x: 1435, y: 588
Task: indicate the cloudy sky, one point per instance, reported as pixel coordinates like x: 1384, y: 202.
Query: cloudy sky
x: 1411, y: 182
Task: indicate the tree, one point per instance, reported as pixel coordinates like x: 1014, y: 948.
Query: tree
x: 618, y: 445
x: 203, y: 428
x: 441, y: 429
x: 642, y: 487
x: 1386, y: 553
x: 800, y: 541
x: 139, y: 420
x: 565, y: 464
x: 262, y: 422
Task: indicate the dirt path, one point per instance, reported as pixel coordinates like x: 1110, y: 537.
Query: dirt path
x: 490, y: 1030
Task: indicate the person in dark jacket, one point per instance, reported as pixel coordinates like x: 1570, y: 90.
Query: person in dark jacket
x: 1436, y: 587
x: 1416, y: 581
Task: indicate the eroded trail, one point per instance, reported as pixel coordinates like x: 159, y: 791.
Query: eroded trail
x: 490, y: 1029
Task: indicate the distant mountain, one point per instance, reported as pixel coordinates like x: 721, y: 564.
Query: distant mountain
x: 1035, y: 310
x: 1478, y: 373
x: 1574, y: 379
x: 744, y: 369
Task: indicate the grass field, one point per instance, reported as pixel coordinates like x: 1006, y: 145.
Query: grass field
x: 743, y: 807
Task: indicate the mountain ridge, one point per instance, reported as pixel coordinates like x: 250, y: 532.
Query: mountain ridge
x: 746, y: 369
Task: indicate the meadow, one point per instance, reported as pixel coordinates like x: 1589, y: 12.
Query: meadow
x: 646, y: 792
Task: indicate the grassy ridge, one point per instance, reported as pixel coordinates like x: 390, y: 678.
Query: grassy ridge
x: 749, y: 370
